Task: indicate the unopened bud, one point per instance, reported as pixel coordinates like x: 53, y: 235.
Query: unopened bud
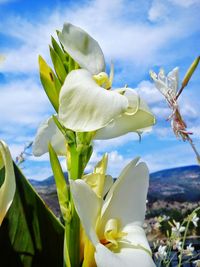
x: 190, y: 71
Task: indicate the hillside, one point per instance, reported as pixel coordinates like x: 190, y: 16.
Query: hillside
x: 178, y: 184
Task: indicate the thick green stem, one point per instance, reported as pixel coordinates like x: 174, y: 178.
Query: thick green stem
x: 72, y: 229
x: 72, y: 233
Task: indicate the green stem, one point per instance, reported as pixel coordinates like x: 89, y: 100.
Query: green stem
x: 72, y: 232
x: 72, y: 229
x: 183, y: 243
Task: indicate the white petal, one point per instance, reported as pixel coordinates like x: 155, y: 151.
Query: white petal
x: 138, y: 120
x: 88, y: 207
x: 133, y: 100
x: 112, y: 189
x: 136, y: 236
x: 127, y: 199
x: 125, y: 124
x: 173, y: 79
x: 49, y: 132
x: 85, y: 106
x: 7, y: 189
x: 82, y: 48
x: 107, y: 185
x: 160, y: 84
x: 126, y: 257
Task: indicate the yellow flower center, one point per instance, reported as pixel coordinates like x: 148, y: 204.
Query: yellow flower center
x: 112, y: 233
x: 102, y: 79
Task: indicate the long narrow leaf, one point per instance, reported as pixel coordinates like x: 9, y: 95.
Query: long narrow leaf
x: 61, y: 185
x: 58, y: 65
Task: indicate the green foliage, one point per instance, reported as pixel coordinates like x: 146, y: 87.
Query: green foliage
x: 53, y: 81
x: 30, y: 235
x: 58, y: 65
x: 50, y: 82
x: 61, y: 185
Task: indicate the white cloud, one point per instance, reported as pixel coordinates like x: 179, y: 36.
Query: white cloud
x: 121, y: 36
x: 196, y: 132
x: 149, y: 93
x: 23, y: 102
x: 185, y: 3
x: 37, y: 172
x: 158, y: 11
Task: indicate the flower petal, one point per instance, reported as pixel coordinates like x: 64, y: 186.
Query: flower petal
x: 136, y: 237
x: 88, y: 206
x: 173, y: 79
x: 82, y: 48
x: 49, y: 132
x: 137, y: 119
x: 126, y: 257
x: 85, y: 106
x: 167, y: 85
x: 7, y: 189
x: 124, y: 124
x: 131, y: 186
x: 159, y: 84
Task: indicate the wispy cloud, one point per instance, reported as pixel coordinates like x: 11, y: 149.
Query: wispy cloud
x: 122, y: 37
x: 6, y: 1
x: 185, y: 3
x: 23, y: 103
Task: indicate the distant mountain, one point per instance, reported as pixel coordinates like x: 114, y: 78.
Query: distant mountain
x: 178, y: 184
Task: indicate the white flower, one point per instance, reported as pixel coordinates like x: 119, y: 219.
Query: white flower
x: 165, y: 218
x: 82, y: 48
x: 167, y: 85
x: 114, y: 225
x: 86, y: 102
x: 8, y: 187
x: 177, y: 245
x: 195, y: 219
x: 86, y: 106
x: 177, y: 229
x: 189, y: 250
x: 49, y: 132
x: 197, y: 263
x: 162, y: 252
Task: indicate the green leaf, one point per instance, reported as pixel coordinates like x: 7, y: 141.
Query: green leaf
x: 50, y: 83
x: 61, y: 185
x: 30, y: 235
x: 63, y: 56
x: 58, y: 65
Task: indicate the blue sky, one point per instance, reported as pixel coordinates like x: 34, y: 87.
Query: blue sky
x: 137, y: 36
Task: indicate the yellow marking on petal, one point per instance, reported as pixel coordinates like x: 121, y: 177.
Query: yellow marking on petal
x: 111, y: 76
x: 96, y: 180
x: 112, y: 233
x: 101, y: 78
